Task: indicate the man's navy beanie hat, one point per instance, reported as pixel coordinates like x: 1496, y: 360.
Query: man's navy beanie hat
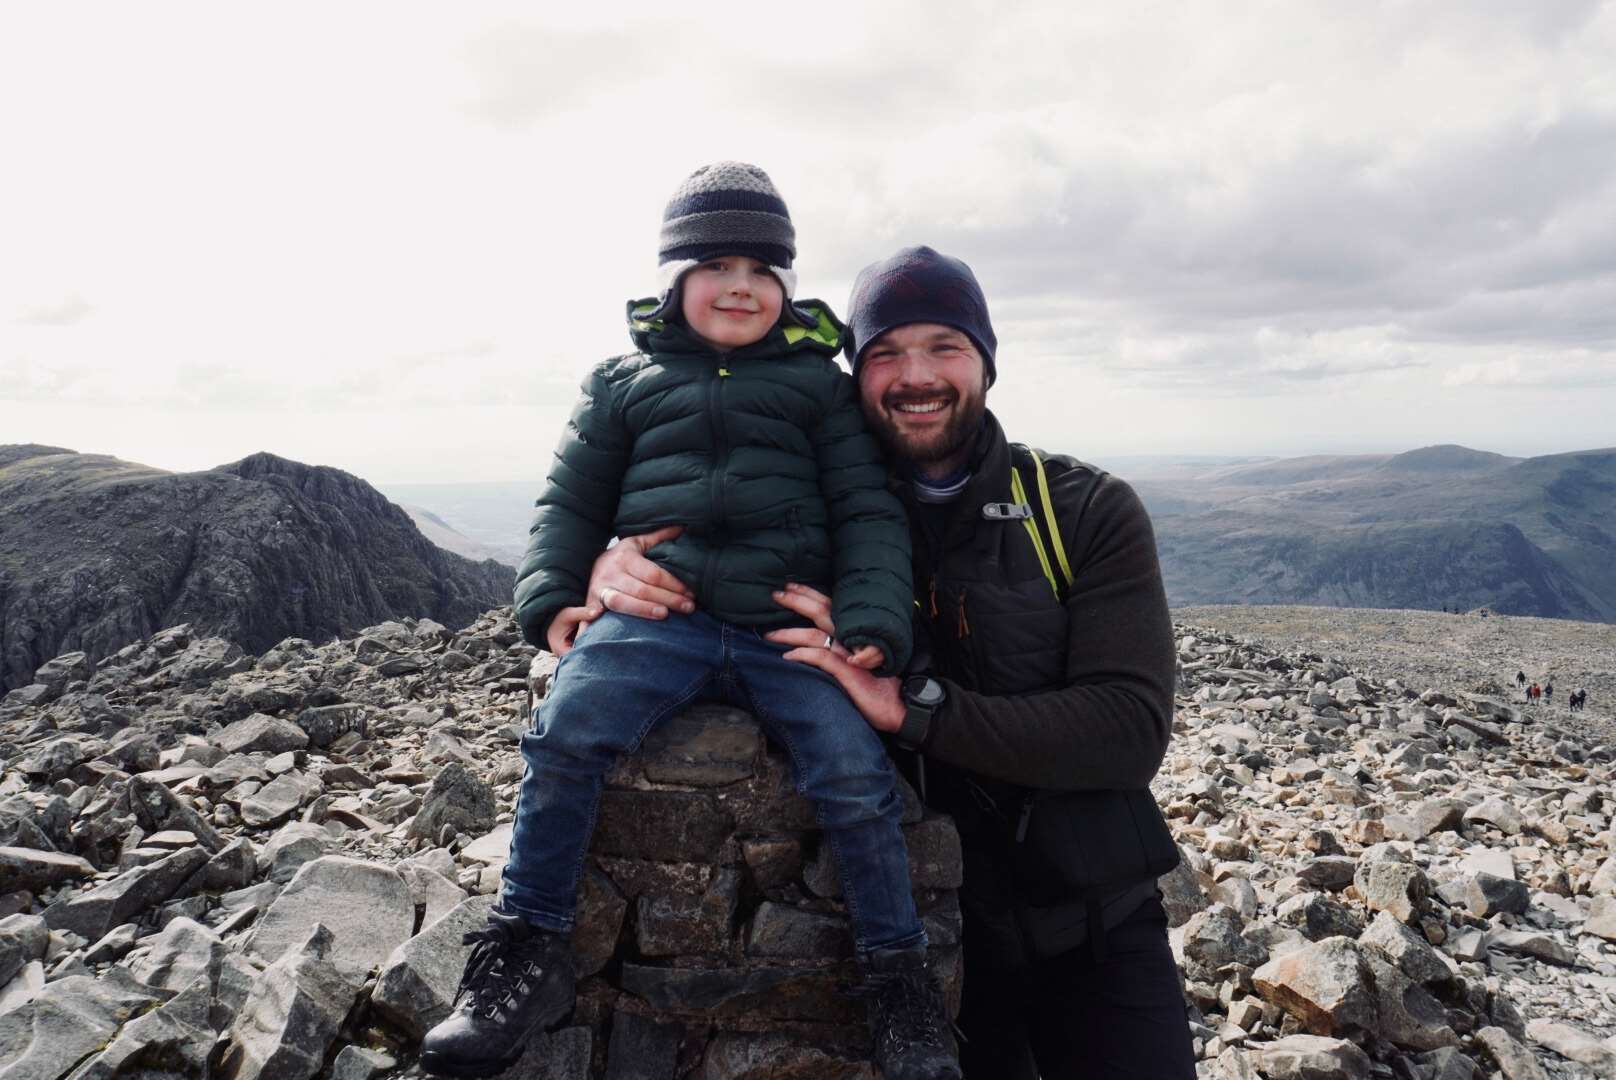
x: 919, y: 285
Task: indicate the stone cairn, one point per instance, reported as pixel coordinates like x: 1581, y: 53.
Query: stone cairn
x: 213, y: 865
x: 217, y: 866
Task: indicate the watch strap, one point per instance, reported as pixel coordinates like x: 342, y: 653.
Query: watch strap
x: 916, y: 725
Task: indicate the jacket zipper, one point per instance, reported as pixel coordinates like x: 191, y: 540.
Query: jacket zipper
x: 715, y: 491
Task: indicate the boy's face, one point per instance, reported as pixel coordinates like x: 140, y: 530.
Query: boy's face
x: 731, y: 301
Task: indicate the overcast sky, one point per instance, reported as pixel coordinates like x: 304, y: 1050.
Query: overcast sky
x: 393, y: 237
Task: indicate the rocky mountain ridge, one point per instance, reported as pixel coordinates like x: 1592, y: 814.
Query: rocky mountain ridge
x: 1431, y: 528
x: 1441, y: 526
x: 96, y: 553
x: 213, y: 865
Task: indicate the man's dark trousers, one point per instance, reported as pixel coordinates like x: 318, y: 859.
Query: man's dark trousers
x: 1072, y: 1018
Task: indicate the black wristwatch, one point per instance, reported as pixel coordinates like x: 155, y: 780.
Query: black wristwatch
x: 923, y: 696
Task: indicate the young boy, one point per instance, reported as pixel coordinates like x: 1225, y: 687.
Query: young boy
x: 733, y: 420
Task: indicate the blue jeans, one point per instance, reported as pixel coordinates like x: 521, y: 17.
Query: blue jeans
x: 623, y: 677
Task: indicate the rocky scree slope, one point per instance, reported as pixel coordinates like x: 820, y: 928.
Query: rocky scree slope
x: 96, y: 553
x: 1429, y: 648
x: 216, y: 866
x: 274, y: 860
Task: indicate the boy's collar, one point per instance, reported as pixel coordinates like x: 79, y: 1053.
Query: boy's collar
x: 824, y: 335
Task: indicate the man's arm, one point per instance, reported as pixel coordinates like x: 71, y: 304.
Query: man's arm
x: 572, y: 518
x: 1109, y: 726
x: 869, y: 534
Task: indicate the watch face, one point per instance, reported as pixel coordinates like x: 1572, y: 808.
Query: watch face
x: 924, y: 691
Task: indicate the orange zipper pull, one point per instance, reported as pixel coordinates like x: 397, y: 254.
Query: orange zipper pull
x: 964, y: 623
x: 934, y: 596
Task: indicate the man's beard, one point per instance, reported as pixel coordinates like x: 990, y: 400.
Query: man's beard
x: 957, y: 435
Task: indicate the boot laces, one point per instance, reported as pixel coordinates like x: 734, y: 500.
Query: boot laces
x: 907, y: 1004
x: 489, y: 974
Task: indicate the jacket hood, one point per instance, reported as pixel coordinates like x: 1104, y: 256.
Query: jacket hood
x: 814, y: 327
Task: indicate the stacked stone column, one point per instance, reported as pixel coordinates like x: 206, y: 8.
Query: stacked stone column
x: 711, y: 927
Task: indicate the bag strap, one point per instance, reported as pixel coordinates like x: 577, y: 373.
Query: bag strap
x: 1042, y: 526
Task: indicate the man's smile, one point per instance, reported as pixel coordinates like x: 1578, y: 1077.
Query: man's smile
x: 919, y: 407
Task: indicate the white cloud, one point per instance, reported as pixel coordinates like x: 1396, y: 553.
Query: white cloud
x: 1579, y: 373
x: 1238, y: 213
x: 68, y: 310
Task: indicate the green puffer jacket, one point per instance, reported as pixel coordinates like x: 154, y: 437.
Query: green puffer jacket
x: 760, y: 453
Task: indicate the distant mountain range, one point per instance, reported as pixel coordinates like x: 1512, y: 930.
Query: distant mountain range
x: 488, y: 518
x: 96, y: 553
x: 1442, y: 526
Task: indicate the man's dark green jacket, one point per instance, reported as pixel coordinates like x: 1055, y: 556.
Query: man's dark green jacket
x: 760, y: 453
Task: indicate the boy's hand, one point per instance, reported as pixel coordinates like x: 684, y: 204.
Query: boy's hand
x: 569, y: 622
x: 867, y: 657
x: 877, y: 699
x: 625, y: 581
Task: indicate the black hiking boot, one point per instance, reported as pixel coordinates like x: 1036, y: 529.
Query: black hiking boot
x: 519, y: 980
x: 904, y: 1007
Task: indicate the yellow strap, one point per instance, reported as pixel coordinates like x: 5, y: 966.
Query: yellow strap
x: 1019, y: 493
x: 1049, y: 516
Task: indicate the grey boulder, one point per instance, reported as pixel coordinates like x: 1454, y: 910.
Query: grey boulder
x: 419, y: 979
x: 70, y: 1018
x: 366, y: 908
x: 1313, y: 1057
x: 22, y: 938
x: 180, y: 954
x: 93, y: 913
x: 458, y: 800
x: 33, y: 870
x: 1327, y: 986
x: 292, y: 1012
x: 179, y: 1036
x: 260, y: 731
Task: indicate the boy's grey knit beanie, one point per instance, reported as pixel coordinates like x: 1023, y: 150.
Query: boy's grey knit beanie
x: 726, y: 208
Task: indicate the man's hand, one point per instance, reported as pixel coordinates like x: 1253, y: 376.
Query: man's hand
x: 876, y: 698
x: 625, y: 581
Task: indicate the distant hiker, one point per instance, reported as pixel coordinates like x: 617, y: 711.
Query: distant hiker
x: 1548, y: 693
x: 1520, y: 678
x: 1578, y: 700
x: 1533, y: 692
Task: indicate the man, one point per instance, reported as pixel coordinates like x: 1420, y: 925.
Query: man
x: 1026, y: 688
